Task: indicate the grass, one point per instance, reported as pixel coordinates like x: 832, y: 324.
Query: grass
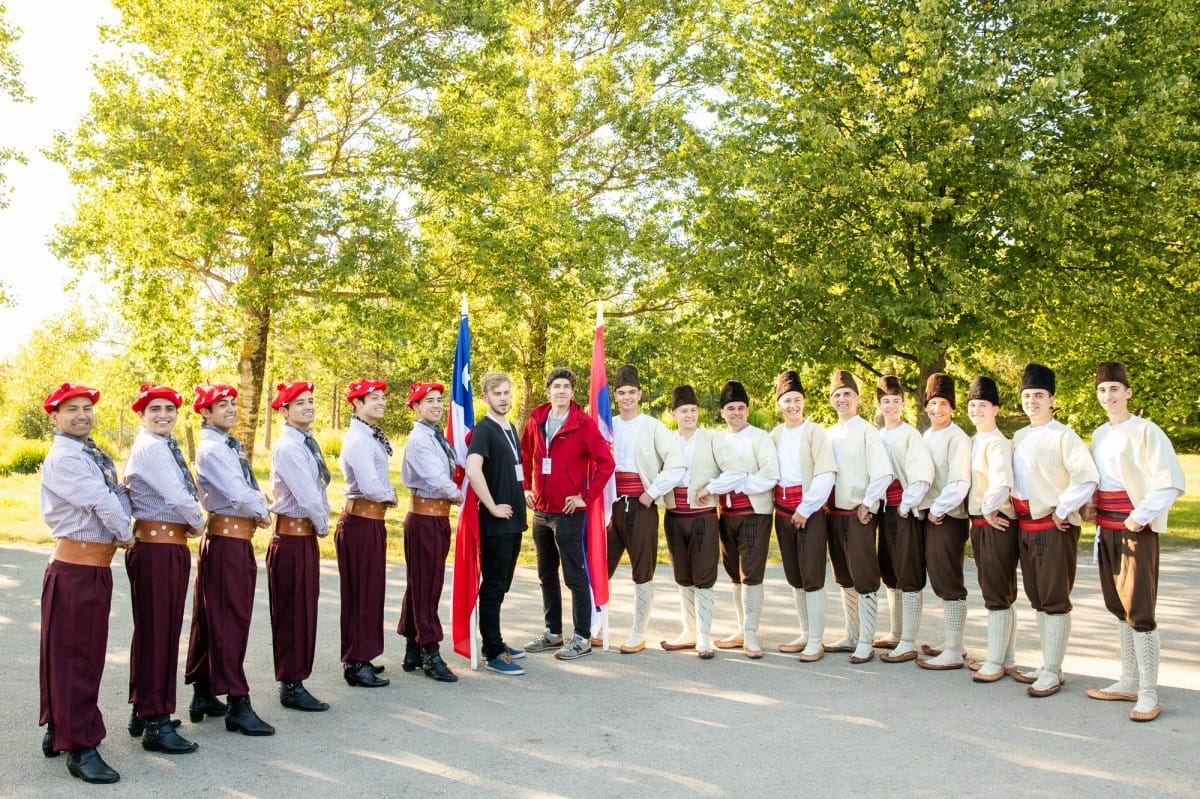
x: 19, y: 498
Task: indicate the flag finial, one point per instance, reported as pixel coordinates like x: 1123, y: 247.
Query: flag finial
x: 599, y: 313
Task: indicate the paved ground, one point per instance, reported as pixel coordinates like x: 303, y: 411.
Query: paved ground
x: 655, y: 724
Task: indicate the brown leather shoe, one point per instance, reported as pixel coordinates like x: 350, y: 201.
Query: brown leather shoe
x: 632, y: 650
x: 791, y: 648
x: 730, y: 643
x: 813, y: 658
x: 1110, y: 696
x: 979, y: 676
x: 672, y: 647
x: 886, y: 643
x: 753, y: 654
x: 1039, y: 693
x: 929, y: 664
x: 857, y: 660
x: 1149, y: 715
x: 840, y: 648
x: 903, y: 657
x: 926, y: 649
x: 706, y: 654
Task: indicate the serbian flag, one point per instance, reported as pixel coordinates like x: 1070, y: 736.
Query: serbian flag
x: 599, y: 510
x: 462, y: 408
x: 465, y: 599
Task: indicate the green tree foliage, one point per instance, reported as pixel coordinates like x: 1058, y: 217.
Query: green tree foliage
x: 243, y: 162
x: 899, y: 185
x: 12, y: 89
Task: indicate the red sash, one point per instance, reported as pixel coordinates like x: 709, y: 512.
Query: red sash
x: 1025, y: 520
x: 979, y: 521
x: 788, y: 498
x: 895, y: 493
x: 736, y: 504
x: 1112, y: 509
x: 629, y: 484
x: 682, y: 508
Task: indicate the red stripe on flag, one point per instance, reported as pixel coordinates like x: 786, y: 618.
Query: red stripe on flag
x: 466, y: 574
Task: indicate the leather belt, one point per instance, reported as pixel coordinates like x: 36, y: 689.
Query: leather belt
x: 222, y: 526
x: 424, y: 506
x: 83, y: 553
x: 294, y: 525
x: 148, y: 532
x: 367, y: 509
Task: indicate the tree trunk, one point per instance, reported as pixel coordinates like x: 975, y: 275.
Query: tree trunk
x: 252, y: 368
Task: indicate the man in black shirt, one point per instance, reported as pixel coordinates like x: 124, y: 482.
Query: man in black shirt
x: 494, y: 469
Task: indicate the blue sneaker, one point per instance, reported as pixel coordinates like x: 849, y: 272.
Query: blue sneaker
x: 503, y: 664
x: 515, y: 654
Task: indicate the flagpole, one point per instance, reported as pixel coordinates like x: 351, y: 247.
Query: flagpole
x: 475, y: 610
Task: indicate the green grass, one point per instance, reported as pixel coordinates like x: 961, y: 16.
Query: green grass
x: 19, y: 497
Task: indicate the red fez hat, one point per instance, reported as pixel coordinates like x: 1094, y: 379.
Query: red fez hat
x: 150, y: 392
x: 362, y: 388
x: 65, y: 392
x: 208, y: 394
x: 286, y: 392
x: 417, y: 391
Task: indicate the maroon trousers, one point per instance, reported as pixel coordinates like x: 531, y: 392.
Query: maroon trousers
x: 945, y: 547
x: 901, y: 550
x: 158, y: 583
x: 802, y: 550
x: 75, y: 605
x: 222, y: 604
x: 1048, y: 560
x: 426, y: 545
x: 997, y: 553
x: 693, y: 542
x: 293, y: 584
x: 852, y: 553
x: 1129, y: 576
x: 361, y: 545
x: 633, y: 528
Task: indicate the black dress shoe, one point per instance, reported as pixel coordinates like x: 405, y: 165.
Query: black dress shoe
x: 412, y: 657
x: 48, y: 742
x: 295, y: 696
x: 242, y: 718
x: 376, y: 669
x: 204, y: 703
x: 138, y: 726
x: 87, y: 765
x: 160, y: 736
x: 436, y: 668
x: 360, y: 675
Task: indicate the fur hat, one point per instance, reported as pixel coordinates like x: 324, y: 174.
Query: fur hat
x: 733, y: 391
x: 1038, y: 376
x: 787, y: 382
x: 627, y: 375
x: 1112, y: 372
x: 842, y: 379
x: 984, y: 388
x: 940, y: 385
x: 888, y: 385
x: 683, y: 395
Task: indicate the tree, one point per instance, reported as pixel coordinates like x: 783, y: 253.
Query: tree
x: 901, y: 185
x: 12, y: 88
x: 240, y: 157
x: 542, y: 165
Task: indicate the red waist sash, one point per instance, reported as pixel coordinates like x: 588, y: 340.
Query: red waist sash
x: 895, y: 493
x: 682, y: 508
x: 1025, y: 520
x: 736, y: 504
x: 1112, y: 509
x: 629, y: 484
x: 788, y: 498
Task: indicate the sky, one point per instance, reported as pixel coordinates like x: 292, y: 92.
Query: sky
x: 58, y: 43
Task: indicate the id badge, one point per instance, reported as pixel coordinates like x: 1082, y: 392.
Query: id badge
x: 520, y: 473
x: 545, y: 466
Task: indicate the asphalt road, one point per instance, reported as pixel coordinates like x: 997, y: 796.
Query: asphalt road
x: 655, y: 724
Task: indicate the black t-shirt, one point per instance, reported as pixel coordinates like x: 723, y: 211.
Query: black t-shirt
x: 501, y: 453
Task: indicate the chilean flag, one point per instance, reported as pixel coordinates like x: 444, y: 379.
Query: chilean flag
x: 599, y: 510
x: 466, y: 545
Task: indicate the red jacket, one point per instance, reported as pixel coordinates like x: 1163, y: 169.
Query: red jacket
x: 581, y: 460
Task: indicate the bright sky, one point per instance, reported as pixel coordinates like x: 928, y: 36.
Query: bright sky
x: 57, y: 45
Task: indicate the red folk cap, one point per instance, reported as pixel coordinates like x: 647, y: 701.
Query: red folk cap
x: 286, y: 392
x: 149, y: 392
x: 362, y: 388
x: 417, y: 391
x: 208, y: 394
x: 65, y: 392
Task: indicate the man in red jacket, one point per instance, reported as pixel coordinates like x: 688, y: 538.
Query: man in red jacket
x: 565, y: 461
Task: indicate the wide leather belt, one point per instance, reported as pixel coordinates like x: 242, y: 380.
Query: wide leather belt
x: 222, y: 526
x: 83, y: 553
x: 424, y: 506
x: 294, y: 525
x: 148, y: 532
x: 366, y: 508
